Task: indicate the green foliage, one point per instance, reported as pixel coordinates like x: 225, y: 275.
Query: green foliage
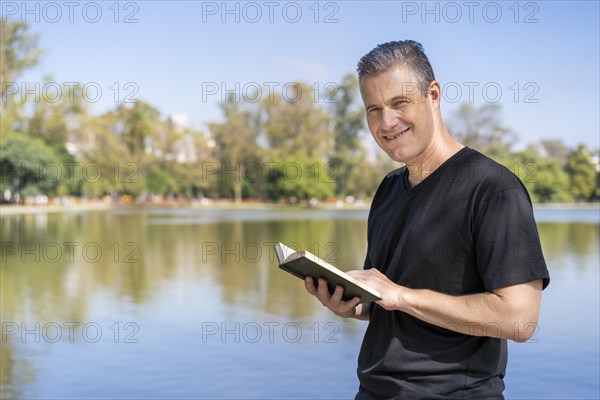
x: 348, y: 157
x: 300, y: 127
x: 554, y: 150
x: 300, y: 145
x: 582, y: 175
x: 18, y: 52
x: 160, y: 182
x: 56, y: 122
x: 481, y: 129
x: 28, y: 166
x: 300, y: 177
x: 236, y: 140
x: 544, y: 179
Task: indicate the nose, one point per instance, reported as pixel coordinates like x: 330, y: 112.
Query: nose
x: 388, y: 119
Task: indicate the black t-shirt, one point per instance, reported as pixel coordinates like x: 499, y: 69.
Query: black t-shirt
x: 467, y: 228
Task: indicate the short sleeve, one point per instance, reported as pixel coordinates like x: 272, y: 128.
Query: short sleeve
x: 367, y: 263
x: 507, y: 244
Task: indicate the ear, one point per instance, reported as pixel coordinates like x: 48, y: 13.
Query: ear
x: 435, y: 93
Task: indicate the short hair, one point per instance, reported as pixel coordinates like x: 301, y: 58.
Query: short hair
x: 390, y: 54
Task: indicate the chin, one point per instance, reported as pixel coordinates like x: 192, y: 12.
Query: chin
x: 397, y: 155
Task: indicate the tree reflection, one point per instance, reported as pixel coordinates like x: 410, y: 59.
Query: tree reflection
x: 562, y: 240
x: 144, y: 252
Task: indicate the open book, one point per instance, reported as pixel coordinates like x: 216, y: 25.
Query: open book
x: 303, y: 264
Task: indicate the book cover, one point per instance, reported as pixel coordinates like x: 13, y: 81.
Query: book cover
x: 303, y: 263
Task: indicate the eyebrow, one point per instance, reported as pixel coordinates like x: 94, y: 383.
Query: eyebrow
x: 392, y: 100
x: 400, y: 97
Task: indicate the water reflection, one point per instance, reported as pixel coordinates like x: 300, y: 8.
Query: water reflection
x: 565, y: 240
x: 238, y: 257
x: 173, y: 271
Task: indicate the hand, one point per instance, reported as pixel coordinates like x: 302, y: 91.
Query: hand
x: 391, y: 293
x: 334, y: 302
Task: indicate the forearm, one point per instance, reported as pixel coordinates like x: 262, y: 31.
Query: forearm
x: 510, y: 312
x: 482, y: 314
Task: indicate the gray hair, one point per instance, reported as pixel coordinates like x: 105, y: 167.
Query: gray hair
x: 390, y: 54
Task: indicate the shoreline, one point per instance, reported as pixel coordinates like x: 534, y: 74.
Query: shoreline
x: 9, y: 209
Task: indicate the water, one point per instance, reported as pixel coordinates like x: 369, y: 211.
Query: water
x: 190, y: 304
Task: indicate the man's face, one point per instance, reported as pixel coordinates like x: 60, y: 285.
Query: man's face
x: 400, y: 117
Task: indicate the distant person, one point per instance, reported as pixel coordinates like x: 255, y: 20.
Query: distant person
x: 453, y: 248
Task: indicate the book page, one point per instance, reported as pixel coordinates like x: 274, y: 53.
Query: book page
x: 283, y: 252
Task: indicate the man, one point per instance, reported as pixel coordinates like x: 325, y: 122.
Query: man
x: 452, y: 247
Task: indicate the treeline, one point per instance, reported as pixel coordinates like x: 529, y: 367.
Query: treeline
x: 270, y: 150
x: 551, y: 171
x: 292, y: 145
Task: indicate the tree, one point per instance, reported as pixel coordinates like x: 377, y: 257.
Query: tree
x: 554, y: 150
x: 236, y: 142
x: 55, y: 121
x: 199, y: 164
x: 299, y: 134
x: 138, y: 124
x: 297, y: 125
x: 544, y: 179
x: 300, y: 177
x: 176, y: 151
x: 28, y: 167
x: 18, y: 52
x: 106, y: 164
x: 349, y: 120
x: 481, y: 129
x: 582, y: 175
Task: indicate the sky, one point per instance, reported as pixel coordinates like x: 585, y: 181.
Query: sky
x: 539, y: 60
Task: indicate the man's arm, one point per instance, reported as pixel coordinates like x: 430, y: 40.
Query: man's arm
x: 346, y: 309
x: 511, y: 312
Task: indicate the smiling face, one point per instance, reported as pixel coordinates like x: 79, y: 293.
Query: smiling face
x: 403, y: 121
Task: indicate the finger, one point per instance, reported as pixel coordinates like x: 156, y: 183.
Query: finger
x: 323, y: 290
x: 354, y: 302
x: 350, y: 304
x: 310, y: 286
x: 347, y: 308
x: 336, y: 297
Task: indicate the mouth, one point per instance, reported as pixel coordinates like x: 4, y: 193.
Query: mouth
x: 393, y: 137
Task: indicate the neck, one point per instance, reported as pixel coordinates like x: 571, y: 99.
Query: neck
x: 432, y: 157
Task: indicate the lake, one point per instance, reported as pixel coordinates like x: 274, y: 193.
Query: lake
x: 189, y: 303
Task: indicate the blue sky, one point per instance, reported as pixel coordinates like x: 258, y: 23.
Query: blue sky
x: 538, y: 60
